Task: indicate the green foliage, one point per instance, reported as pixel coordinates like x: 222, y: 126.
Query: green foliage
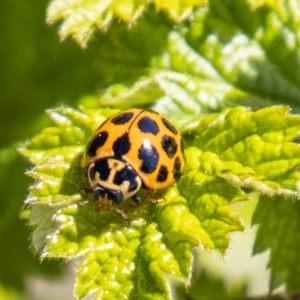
x: 225, y: 73
x: 66, y: 218
x: 81, y: 18
x: 30, y: 83
x: 237, y: 149
x: 279, y: 230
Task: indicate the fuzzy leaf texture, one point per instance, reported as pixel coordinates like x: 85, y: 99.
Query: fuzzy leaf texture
x: 217, y: 58
x: 67, y: 225
x: 279, y: 230
x: 81, y: 18
x: 159, y: 240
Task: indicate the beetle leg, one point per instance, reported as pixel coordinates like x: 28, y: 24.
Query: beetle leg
x: 87, y: 191
x: 136, y: 199
x: 125, y: 217
x: 154, y: 198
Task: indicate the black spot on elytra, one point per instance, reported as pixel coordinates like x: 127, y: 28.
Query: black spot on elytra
x: 122, y: 118
x: 169, y: 145
x: 162, y: 174
x: 177, y: 168
x: 169, y: 126
x: 147, y: 125
x: 101, y: 166
x: 149, y: 157
x: 96, y: 143
x: 121, y: 146
x: 126, y: 174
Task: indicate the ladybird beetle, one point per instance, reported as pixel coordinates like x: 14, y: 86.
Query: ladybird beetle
x: 133, y: 149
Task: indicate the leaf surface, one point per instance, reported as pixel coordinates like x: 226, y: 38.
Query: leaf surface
x: 278, y: 230
x: 81, y: 18
x: 160, y: 236
x: 192, y: 74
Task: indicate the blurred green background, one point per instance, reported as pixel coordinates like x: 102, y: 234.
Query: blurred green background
x: 37, y: 72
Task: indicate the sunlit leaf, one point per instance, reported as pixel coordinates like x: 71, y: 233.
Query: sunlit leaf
x: 81, y: 18
x: 278, y: 221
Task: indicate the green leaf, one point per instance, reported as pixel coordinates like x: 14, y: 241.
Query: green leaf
x: 190, y: 73
x: 279, y: 221
x: 142, y: 94
x: 67, y: 225
x: 259, y: 145
x: 194, y: 66
x: 252, y: 36
x: 63, y: 141
x: 209, y: 196
x: 13, y: 234
x: 81, y: 18
x: 237, y: 148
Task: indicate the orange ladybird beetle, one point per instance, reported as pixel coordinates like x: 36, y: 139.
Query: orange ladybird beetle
x: 133, y: 149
